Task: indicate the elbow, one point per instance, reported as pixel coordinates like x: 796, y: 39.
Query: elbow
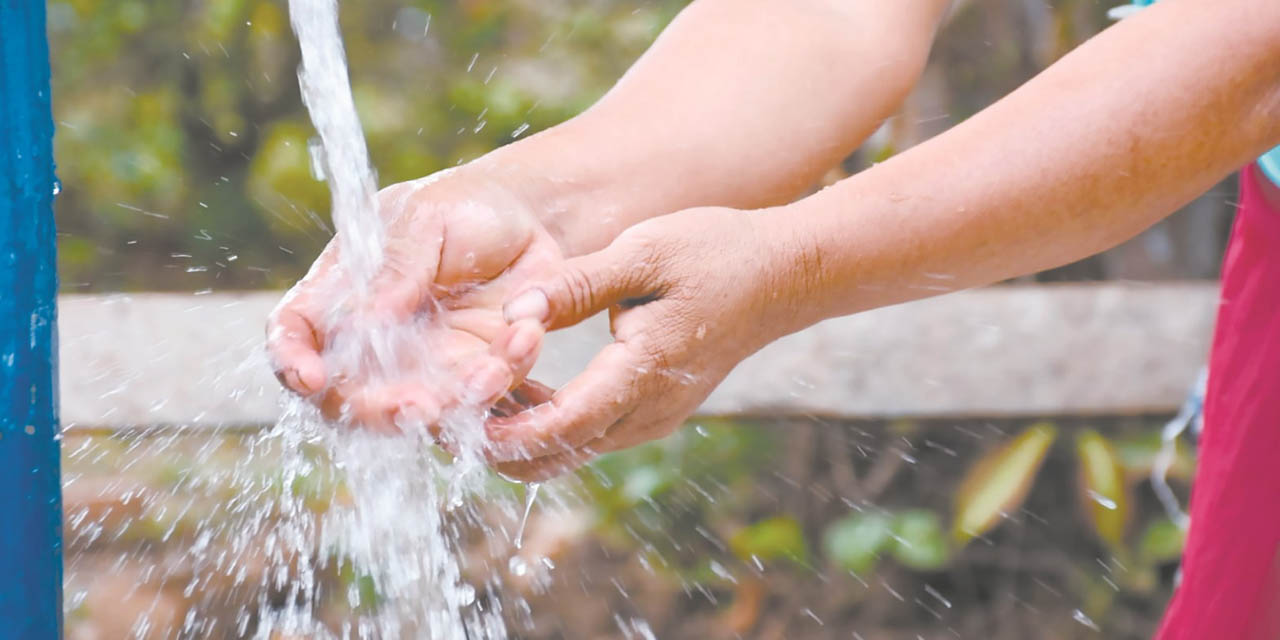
x: 891, y: 40
x: 902, y: 72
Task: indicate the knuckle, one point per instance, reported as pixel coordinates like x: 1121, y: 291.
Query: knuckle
x: 642, y: 244
x: 275, y: 330
x: 580, y: 291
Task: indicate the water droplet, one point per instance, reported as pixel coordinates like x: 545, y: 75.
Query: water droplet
x: 530, y: 495
x: 1107, y: 503
x: 517, y: 566
x: 1083, y: 619
x: 937, y: 596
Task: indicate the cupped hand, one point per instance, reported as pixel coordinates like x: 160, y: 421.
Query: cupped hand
x: 457, y: 244
x: 689, y: 295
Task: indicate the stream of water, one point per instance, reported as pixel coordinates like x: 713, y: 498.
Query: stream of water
x: 399, y: 525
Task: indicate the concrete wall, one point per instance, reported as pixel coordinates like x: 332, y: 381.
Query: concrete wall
x: 196, y: 360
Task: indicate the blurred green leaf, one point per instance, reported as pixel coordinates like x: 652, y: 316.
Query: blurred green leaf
x: 1101, y: 485
x: 644, y: 483
x: 999, y: 482
x: 1137, y: 454
x: 919, y: 541
x: 776, y: 538
x: 1161, y: 542
x: 855, y: 541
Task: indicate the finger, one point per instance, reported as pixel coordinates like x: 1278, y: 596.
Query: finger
x: 293, y: 346
x: 519, y: 346
x: 633, y: 431
x: 399, y: 408
x: 485, y: 324
x: 532, y: 393
x: 508, y: 361
x: 582, y: 287
x: 358, y: 408
x: 542, y: 469
x: 582, y: 411
x: 487, y: 380
x: 526, y: 395
x: 415, y: 410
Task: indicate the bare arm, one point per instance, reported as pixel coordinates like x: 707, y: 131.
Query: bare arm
x: 739, y: 103
x: 1117, y: 135
x: 1110, y: 139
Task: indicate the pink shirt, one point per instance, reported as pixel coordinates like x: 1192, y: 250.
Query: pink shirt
x: 1231, y: 567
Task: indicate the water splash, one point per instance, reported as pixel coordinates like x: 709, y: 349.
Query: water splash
x: 396, y: 526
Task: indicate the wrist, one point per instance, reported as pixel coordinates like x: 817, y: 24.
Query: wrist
x: 796, y: 269
x: 576, y: 187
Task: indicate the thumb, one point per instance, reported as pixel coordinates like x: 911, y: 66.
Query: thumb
x: 580, y: 288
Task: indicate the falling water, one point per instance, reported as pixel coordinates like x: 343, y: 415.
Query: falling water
x: 343, y: 155
x: 396, y: 526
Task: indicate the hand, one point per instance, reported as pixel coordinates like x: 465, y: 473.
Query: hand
x: 457, y: 244
x: 689, y: 295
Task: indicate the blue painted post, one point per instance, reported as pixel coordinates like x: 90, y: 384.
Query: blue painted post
x: 30, y: 488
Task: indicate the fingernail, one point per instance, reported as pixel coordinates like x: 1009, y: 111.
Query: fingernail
x: 311, y: 381
x: 293, y: 381
x: 522, y: 343
x: 491, y: 380
x: 530, y: 305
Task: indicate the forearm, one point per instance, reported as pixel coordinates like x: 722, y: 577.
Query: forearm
x: 1109, y: 140
x: 739, y: 103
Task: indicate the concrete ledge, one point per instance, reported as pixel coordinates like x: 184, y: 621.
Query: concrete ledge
x: 196, y: 360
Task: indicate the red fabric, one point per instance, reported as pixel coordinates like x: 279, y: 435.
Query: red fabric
x: 1231, y: 569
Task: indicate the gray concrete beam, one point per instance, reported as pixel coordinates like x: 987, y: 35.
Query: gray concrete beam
x: 175, y: 359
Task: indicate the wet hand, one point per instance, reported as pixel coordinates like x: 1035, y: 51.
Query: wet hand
x: 689, y: 296
x: 458, y: 243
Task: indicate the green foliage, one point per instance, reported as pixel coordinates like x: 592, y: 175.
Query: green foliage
x: 1137, y: 453
x: 915, y: 538
x: 919, y: 540
x: 776, y: 538
x: 1161, y: 542
x: 182, y: 140
x: 709, y: 452
x: 856, y: 541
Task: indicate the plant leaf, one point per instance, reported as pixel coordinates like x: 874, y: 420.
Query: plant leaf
x: 779, y: 537
x: 999, y: 482
x: 1137, y: 455
x: 919, y: 542
x: 855, y: 541
x: 1103, y: 493
x: 1162, y: 542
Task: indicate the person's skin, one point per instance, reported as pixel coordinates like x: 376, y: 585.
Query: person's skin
x: 1118, y: 134
x: 741, y: 103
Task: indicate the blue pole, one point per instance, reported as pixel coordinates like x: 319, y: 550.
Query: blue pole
x: 30, y: 488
